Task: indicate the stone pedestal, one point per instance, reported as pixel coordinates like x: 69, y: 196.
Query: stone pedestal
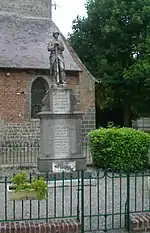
x: 60, y: 132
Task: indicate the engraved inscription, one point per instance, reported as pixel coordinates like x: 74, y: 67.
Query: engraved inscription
x: 61, y: 102
x: 61, y: 142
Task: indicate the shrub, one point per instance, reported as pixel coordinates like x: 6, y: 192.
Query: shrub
x: 119, y: 148
x: 20, y: 182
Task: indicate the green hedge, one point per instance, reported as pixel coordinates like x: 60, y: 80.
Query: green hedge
x: 119, y: 148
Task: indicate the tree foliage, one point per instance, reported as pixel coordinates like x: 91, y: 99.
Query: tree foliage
x: 113, y: 41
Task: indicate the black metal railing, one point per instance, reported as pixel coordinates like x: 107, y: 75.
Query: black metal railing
x: 19, y: 154
x: 24, y: 154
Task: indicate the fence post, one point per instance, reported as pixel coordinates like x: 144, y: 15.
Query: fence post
x: 128, y: 202
x: 78, y: 198
x: 82, y: 201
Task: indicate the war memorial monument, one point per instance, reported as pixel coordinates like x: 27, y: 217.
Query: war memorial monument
x: 60, y: 120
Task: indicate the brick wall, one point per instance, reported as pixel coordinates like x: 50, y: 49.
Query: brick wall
x: 87, y: 95
x: 140, y: 222
x: 25, y: 131
x: 12, y: 105
x: 53, y: 226
x: 15, y: 104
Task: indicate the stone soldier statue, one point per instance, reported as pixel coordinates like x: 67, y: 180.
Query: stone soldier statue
x: 57, y: 65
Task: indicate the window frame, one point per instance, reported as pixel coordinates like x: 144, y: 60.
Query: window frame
x: 29, y: 95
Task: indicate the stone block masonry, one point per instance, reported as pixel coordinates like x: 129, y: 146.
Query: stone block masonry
x: 20, y: 132
x: 53, y: 226
x: 88, y: 122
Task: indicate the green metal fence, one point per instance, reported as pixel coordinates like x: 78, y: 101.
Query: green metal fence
x: 101, y: 200
x: 108, y: 204
x: 62, y: 200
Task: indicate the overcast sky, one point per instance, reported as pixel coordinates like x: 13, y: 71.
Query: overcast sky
x: 66, y: 12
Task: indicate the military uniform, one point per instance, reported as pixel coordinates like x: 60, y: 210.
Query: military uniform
x: 56, y: 48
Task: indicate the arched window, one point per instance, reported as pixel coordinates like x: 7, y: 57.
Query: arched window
x: 38, y: 89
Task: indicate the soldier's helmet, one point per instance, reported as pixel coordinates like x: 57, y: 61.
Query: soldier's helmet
x: 55, y: 33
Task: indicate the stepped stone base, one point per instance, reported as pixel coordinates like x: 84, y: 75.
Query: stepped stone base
x: 59, y: 165
x: 60, y: 130
x: 66, y: 175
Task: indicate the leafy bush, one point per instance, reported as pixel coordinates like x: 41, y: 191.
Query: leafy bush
x: 119, y: 148
x: 20, y: 182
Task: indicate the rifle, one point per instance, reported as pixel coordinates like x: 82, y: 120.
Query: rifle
x: 57, y: 67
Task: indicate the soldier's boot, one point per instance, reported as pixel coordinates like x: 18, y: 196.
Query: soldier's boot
x: 62, y: 78
x: 55, y: 79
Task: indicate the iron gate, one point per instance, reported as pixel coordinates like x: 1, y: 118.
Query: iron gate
x: 108, y: 198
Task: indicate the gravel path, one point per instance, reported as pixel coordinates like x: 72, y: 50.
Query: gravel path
x: 105, y: 195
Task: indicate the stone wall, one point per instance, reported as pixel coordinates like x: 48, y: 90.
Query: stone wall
x: 15, y: 105
x: 88, y: 122
x: 20, y: 132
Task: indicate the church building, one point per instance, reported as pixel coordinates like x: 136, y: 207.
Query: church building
x: 26, y: 28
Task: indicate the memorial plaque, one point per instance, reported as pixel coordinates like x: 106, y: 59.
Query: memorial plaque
x: 61, y: 137
x: 61, y: 101
x: 64, y: 166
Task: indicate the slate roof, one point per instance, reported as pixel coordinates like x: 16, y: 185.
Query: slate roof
x: 23, y: 43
